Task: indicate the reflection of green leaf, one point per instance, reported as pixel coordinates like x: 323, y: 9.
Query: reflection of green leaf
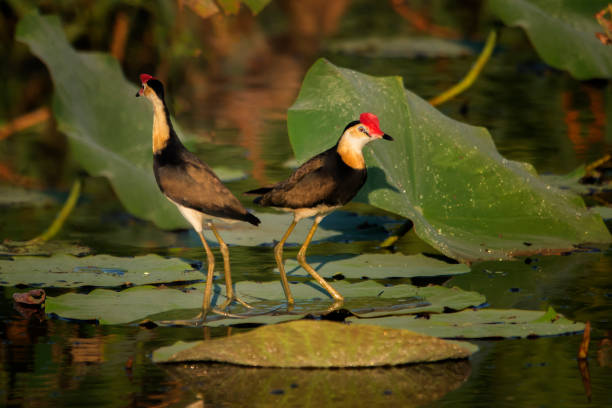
x: 447, y: 177
x: 482, y: 323
x: 310, y: 343
x: 563, y: 33
x: 96, y: 270
x: 367, y: 298
x: 376, y: 266
x: 407, y: 386
x: 109, y: 130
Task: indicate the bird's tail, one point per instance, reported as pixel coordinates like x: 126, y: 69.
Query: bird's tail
x: 250, y: 218
x: 261, y: 190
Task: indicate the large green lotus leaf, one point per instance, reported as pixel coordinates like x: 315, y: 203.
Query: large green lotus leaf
x: 482, y: 323
x: 311, y: 343
x: 339, y: 226
x: 366, y: 298
x: 407, y: 386
x: 376, y: 266
x: 109, y: 130
x: 562, y: 32
x: 464, y: 198
x: 66, y: 271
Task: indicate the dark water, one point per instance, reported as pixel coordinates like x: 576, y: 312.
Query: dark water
x: 534, y: 114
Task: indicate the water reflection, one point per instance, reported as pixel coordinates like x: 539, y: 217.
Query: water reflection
x: 235, y: 386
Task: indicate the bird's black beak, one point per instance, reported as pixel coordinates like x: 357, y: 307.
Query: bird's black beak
x: 387, y: 137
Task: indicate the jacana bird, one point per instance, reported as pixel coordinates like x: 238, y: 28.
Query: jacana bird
x: 325, y: 182
x: 193, y: 187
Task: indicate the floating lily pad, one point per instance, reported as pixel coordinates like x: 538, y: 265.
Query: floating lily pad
x: 366, y: 298
x: 464, y: 198
x: 376, y: 266
x: 400, y: 47
x: 562, y: 32
x: 339, y: 226
x: 67, y: 271
x: 309, y: 343
x: 407, y: 386
x: 482, y: 323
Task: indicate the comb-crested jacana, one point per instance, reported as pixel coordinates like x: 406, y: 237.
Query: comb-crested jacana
x: 325, y: 182
x: 193, y: 187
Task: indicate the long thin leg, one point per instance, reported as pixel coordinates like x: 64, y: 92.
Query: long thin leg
x: 301, y: 257
x: 278, y: 255
x: 229, y: 290
x: 209, y: 278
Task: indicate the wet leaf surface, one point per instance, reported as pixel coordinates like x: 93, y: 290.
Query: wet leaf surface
x: 562, y: 32
x: 66, y: 271
x: 482, y: 323
x: 162, y: 304
x: 464, y: 198
x: 309, y: 343
x: 405, y: 386
x: 376, y: 266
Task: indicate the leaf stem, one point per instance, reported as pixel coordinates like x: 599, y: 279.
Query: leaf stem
x: 471, y: 76
x: 58, y: 223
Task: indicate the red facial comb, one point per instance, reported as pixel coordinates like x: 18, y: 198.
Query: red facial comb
x: 145, y: 77
x: 371, y: 121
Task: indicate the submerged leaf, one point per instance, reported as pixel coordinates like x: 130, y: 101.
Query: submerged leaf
x: 482, y: 323
x: 367, y: 298
x: 376, y: 266
x: 67, y: 271
x: 310, y: 343
x: 464, y: 198
x: 562, y: 32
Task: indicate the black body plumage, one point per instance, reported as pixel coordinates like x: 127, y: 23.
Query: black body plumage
x: 324, y: 180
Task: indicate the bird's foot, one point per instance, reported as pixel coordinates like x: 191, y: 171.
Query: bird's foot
x: 234, y: 298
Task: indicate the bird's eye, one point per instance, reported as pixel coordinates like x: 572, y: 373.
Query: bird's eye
x: 363, y: 130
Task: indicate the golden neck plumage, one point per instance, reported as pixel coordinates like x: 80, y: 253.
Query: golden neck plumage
x: 161, y: 127
x: 349, y: 149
